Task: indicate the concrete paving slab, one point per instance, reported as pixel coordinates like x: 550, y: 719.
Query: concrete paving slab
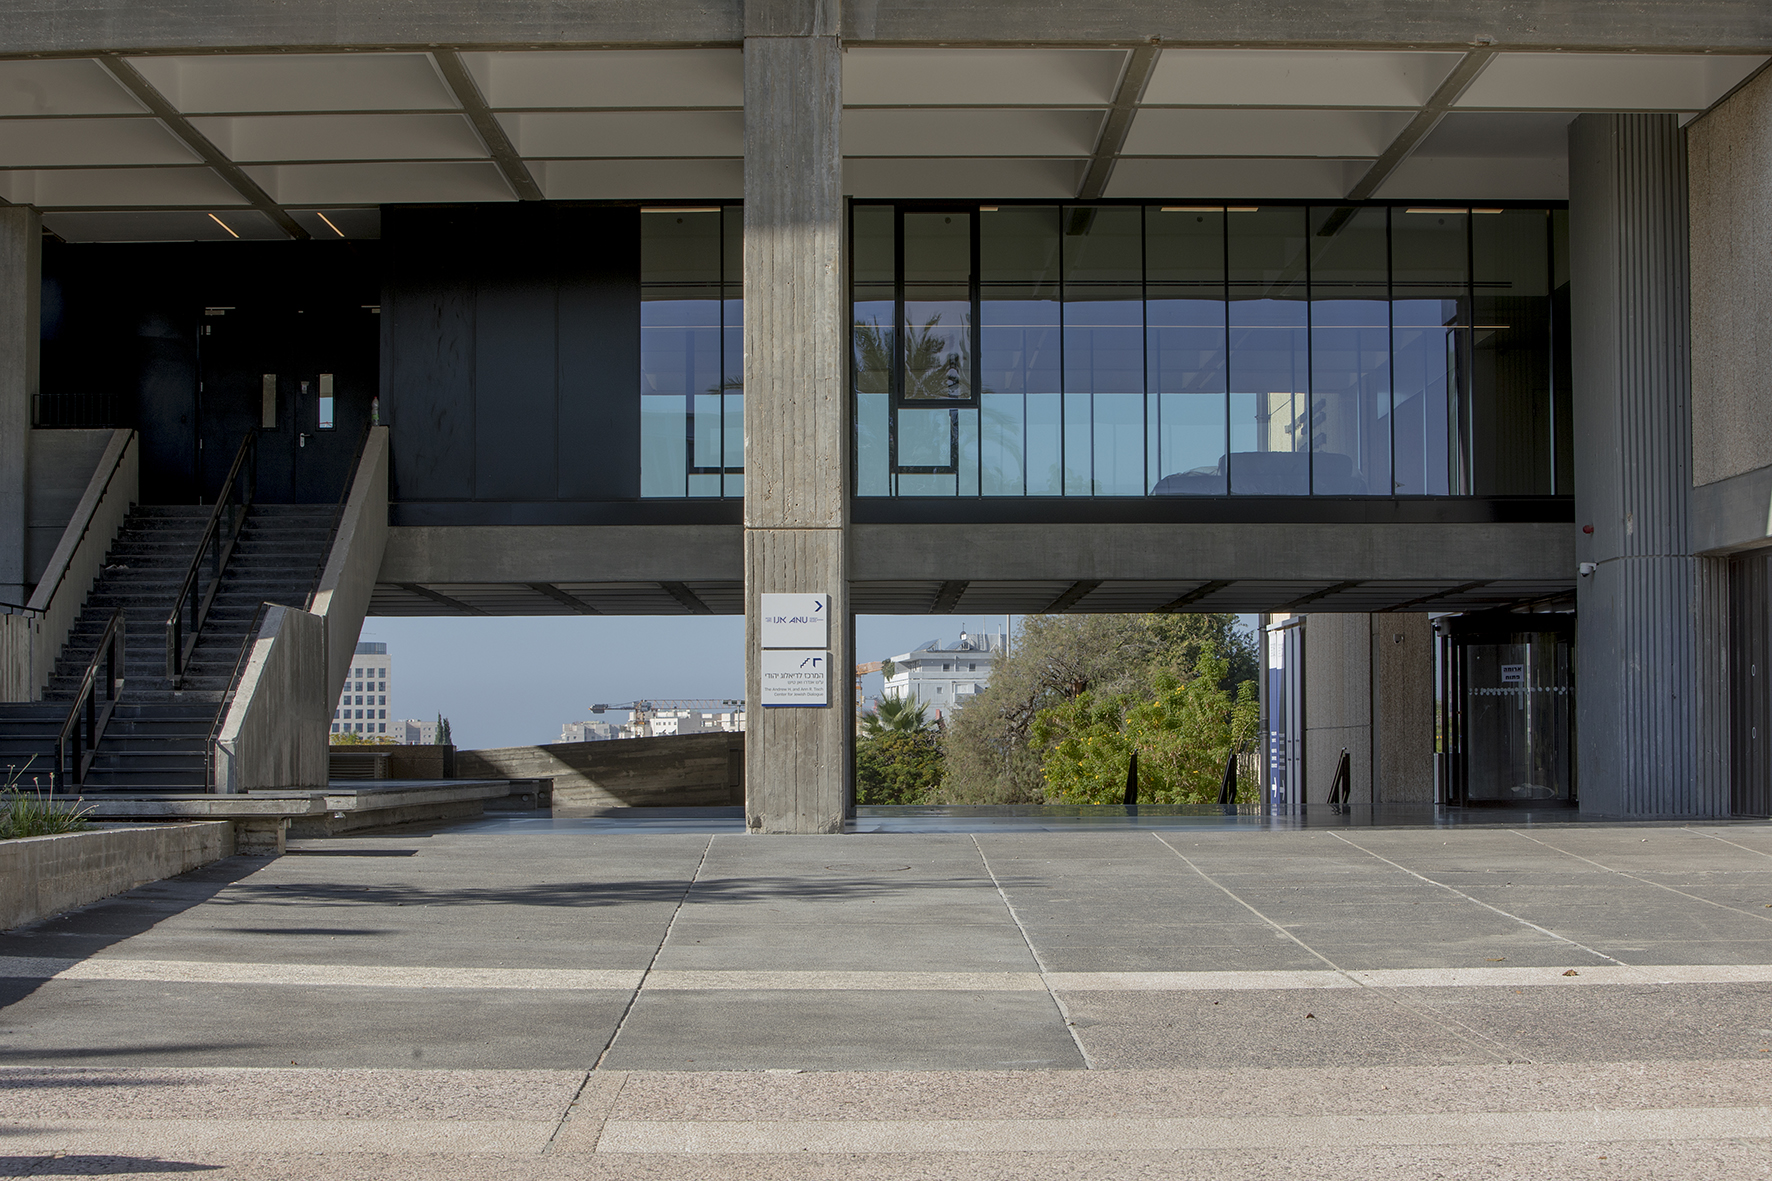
x: 1361, y: 1027
x: 847, y: 943
x: 122, y: 1024
x: 691, y: 1030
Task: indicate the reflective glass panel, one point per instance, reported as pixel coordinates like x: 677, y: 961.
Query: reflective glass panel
x: 1019, y: 350
x: 1511, y: 407
x: 937, y: 307
x: 1430, y: 315
x: 872, y: 268
x: 1269, y: 351
x: 1104, y: 452
x: 1350, y: 352
x: 691, y: 352
x: 1185, y: 350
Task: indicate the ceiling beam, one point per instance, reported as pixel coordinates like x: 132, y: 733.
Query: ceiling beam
x: 132, y: 80
x: 1295, y: 604
x: 1070, y: 598
x: 425, y: 592
x: 1438, y: 105
x: 687, y: 597
x: 947, y: 598
x: 1141, y: 63
x: 1439, y: 594
x: 1195, y: 595
x: 486, y: 125
x: 559, y: 596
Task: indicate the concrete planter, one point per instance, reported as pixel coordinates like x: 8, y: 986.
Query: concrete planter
x: 41, y: 876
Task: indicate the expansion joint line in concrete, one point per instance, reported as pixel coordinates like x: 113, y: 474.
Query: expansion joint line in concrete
x: 1064, y: 1013
x: 1458, y: 1029
x: 1764, y: 918
x: 634, y: 997
x: 1712, y: 836
x: 1478, y: 901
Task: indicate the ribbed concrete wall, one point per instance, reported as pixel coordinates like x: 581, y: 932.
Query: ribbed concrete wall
x: 671, y: 771
x: 1637, y: 687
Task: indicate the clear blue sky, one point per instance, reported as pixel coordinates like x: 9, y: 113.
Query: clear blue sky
x: 511, y: 681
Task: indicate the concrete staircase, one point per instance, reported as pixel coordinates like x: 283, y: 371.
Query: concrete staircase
x: 158, y: 738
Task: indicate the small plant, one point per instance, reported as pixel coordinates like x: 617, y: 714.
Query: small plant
x: 33, y: 813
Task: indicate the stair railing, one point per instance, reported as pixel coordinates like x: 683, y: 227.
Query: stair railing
x: 87, y: 719
x: 191, y: 608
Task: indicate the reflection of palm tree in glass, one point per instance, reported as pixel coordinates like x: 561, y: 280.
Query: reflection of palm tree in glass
x: 932, y: 373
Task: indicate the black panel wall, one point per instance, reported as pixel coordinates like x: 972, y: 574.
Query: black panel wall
x: 510, y: 363
x: 176, y: 339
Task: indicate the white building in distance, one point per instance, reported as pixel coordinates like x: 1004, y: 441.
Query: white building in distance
x: 589, y: 731
x: 413, y: 732
x: 684, y: 721
x: 945, y: 678
x: 363, y: 703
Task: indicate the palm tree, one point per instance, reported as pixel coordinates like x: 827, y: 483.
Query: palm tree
x: 896, y: 715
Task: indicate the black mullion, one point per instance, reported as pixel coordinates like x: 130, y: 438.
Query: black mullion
x: 1224, y: 241
x: 895, y: 373
x: 1390, y: 319
x: 1467, y: 382
x: 1310, y: 368
x: 1144, y: 340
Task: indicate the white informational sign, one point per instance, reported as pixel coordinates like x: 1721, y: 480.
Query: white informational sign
x: 796, y: 676
x: 1513, y: 674
x: 796, y: 621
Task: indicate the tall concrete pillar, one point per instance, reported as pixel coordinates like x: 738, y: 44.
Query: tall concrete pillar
x: 1637, y: 641
x: 797, y: 759
x: 1369, y: 687
x: 21, y: 279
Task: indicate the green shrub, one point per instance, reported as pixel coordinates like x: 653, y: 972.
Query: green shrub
x: 33, y: 813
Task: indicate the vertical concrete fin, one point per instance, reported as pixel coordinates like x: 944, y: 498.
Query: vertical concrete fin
x: 1637, y: 688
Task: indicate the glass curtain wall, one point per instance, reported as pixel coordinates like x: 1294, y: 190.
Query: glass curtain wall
x: 691, y: 352
x: 1206, y: 350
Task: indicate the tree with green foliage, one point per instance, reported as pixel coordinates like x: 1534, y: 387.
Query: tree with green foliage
x: 993, y: 755
x: 897, y: 766
x: 444, y: 738
x: 1184, y: 732
x: 896, y: 715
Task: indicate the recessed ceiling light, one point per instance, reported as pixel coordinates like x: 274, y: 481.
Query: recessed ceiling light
x: 679, y: 209
x: 329, y: 224
x: 224, y: 225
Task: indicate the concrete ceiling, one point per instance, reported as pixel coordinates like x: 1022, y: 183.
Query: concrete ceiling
x: 275, y: 145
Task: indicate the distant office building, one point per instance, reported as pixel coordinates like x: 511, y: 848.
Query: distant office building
x: 363, y: 705
x: 589, y: 732
x: 944, y: 678
x: 413, y: 732
x: 684, y: 721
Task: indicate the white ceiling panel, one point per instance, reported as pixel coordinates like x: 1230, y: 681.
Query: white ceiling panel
x: 611, y: 78
x: 962, y: 179
x: 1252, y: 179
x: 641, y: 180
x: 1296, y: 78
x: 626, y: 133
x: 1607, y: 81
x: 1469, y: 178
x: 969, y: 133
x: 118, y: 188
x: 227, y: 83
x: 329, y: 225
x: 1170, y: 132
x: 62, y: 88
x: 61, y: 143
x: 379, y: 184
x: 1500, y: 135
x: 271, y: 138
x: 981, y: 77
x: 136, y: 225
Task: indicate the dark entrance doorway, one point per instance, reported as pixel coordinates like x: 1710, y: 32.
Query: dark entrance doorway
x: 303, y: 374
x: 1750, y: 705
x: 1508, y: 704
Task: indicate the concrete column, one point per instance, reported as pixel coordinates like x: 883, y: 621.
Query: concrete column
x: 1637, y: 640
x: 797, y: 760
x: 21, y: 280
x: 1369, y: 687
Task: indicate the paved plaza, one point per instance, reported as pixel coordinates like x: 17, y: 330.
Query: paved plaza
x: 535, y: 998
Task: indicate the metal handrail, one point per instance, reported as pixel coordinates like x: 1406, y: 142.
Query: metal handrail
x: 191, y: 608
x: 87, y: 720
x: 85, y: 528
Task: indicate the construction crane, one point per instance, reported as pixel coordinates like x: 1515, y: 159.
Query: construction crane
x: 862, y: 670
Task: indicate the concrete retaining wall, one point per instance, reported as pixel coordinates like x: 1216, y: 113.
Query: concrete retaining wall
x: 688, y: 770
x: 275, y: 732
x: 42, y: 876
